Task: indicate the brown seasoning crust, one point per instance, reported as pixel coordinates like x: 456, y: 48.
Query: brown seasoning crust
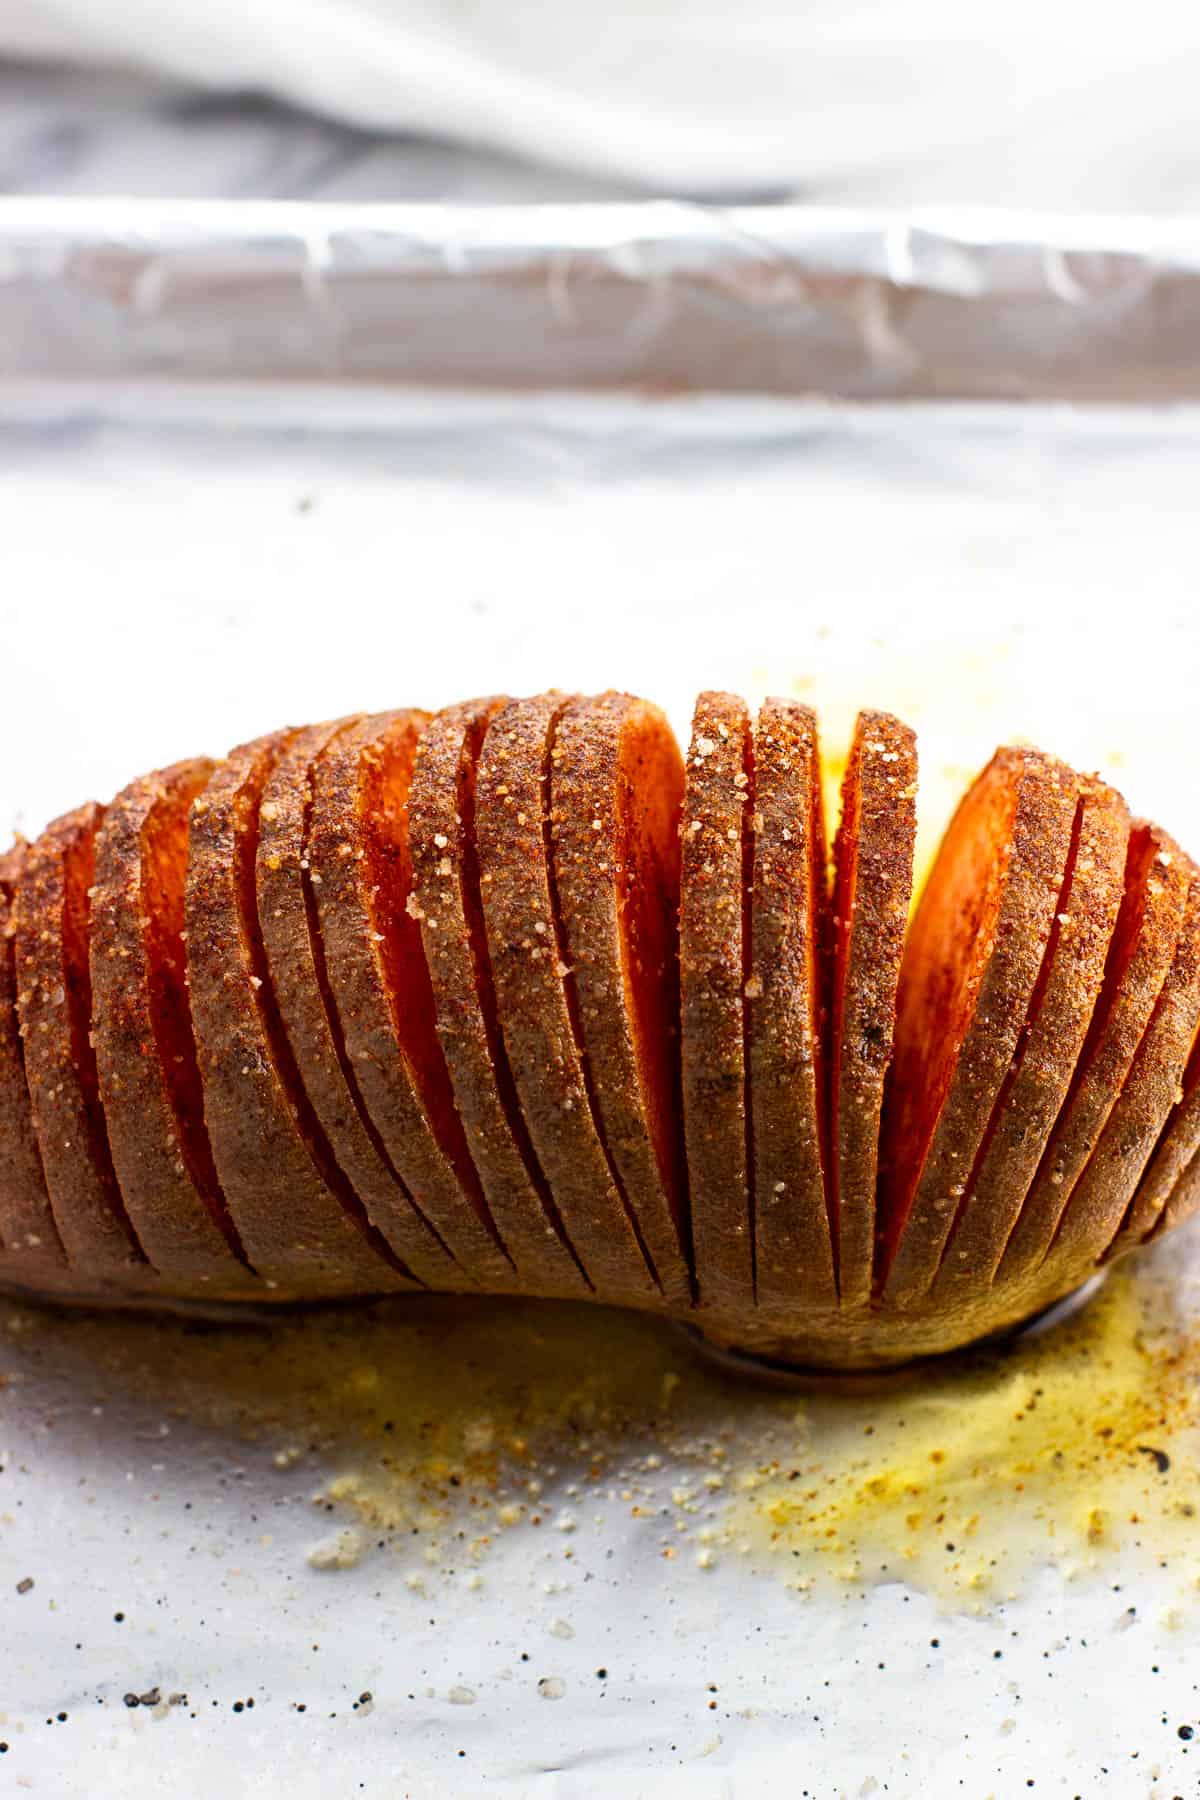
x: 54, y: 1004
x: 873, y: 881
x: 1174, y: 1169
x: 616, y: 786
x: 361, y: 867
x: 1140, y: 955
x: 794, y: 1260
x: 295, y: 951
x: 301, y: 1223
x: 1060, y: 1014
x: 449, y: 907
x: 537, y: 1003
x: 1095, y: 1222
x: 713, y: 970
x: 32, y: 1248
x: 970, y: 969
x: 149, y: 1078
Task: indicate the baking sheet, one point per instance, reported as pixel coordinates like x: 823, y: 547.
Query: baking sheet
x: 210, y: 528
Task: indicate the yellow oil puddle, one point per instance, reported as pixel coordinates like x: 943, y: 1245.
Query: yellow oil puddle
x: 421, y: 1425
x: 1080, y: 1444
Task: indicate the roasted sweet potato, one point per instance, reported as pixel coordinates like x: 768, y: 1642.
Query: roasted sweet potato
x: 968, y: 977
x: 794, y: 1263
x: 447, y: 901
x: 615, y: 789
x: 31, y: 1247
x: 149, y: 1079
x: 295, y: 951
x: 441, y: 1029
x: 54, y: 1003
x: 1052, y: 1039
x: 361, y: 868
x: 536, y: 1002
x: 873, y: 879
x: 1140, y: 955
x: 714, y: 967
x: 303, y: 1227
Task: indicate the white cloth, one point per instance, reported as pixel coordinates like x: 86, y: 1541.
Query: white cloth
x: 1050, y: 102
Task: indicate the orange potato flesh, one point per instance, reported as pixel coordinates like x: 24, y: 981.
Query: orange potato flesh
x: 54, y: 1003
x: 303, y: 1227
x: 873, y: 877
x: 361, y: 866
x: 615, y: 790
x: 794, y: 1264
x: 448, y: 904
x: 1036, y: 1087
x: 1140, y: 954
x: 714, y: 957
x: 32, y: 1248
x: 536, y: 1002
x: 148, y: 1076
x: 288, y: 914
x: 970, y: 968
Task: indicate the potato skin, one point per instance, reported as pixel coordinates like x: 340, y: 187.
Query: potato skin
x: 295, y: 951
x: 54, y: 1007
x: 972, y: 960
x: 714, y: 956
x: 873, y: 880
x: 615, y: 789
x: 361, y: 869
x: 1060, y: 1014
x: 784, y: 1002
x: 535, y: 1001
x: 149, y: 1080
x: 1104, y: 1211
x: 1142, y: 948
x: 303, y: 1228
x: 30, y: 1246
x: 448, y: 904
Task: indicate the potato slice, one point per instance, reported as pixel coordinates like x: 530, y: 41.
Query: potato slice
x: 784, y: 825
x: 615, y: 789
x: 447, y: 901
x: 54, y: 1003
x: 714, y: 966
x: 361, y: 869
x: 32, y: 1248
x: 1140, y: 955
x: 303, y: 1227
x: 873, y: 879
x: 149, y: 1079
x: 1036, y: 1087
x: 295, y: 951
x: 970, y: 969
x: 1099, y: 1209
x: 1173, y: 1170
x: 536, y: 1001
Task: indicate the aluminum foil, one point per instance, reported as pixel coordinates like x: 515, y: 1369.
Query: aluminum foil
x: 667, y: 296
x: 285, y: 463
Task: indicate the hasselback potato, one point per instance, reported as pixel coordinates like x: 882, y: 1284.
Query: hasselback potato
x: 516, y: 998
